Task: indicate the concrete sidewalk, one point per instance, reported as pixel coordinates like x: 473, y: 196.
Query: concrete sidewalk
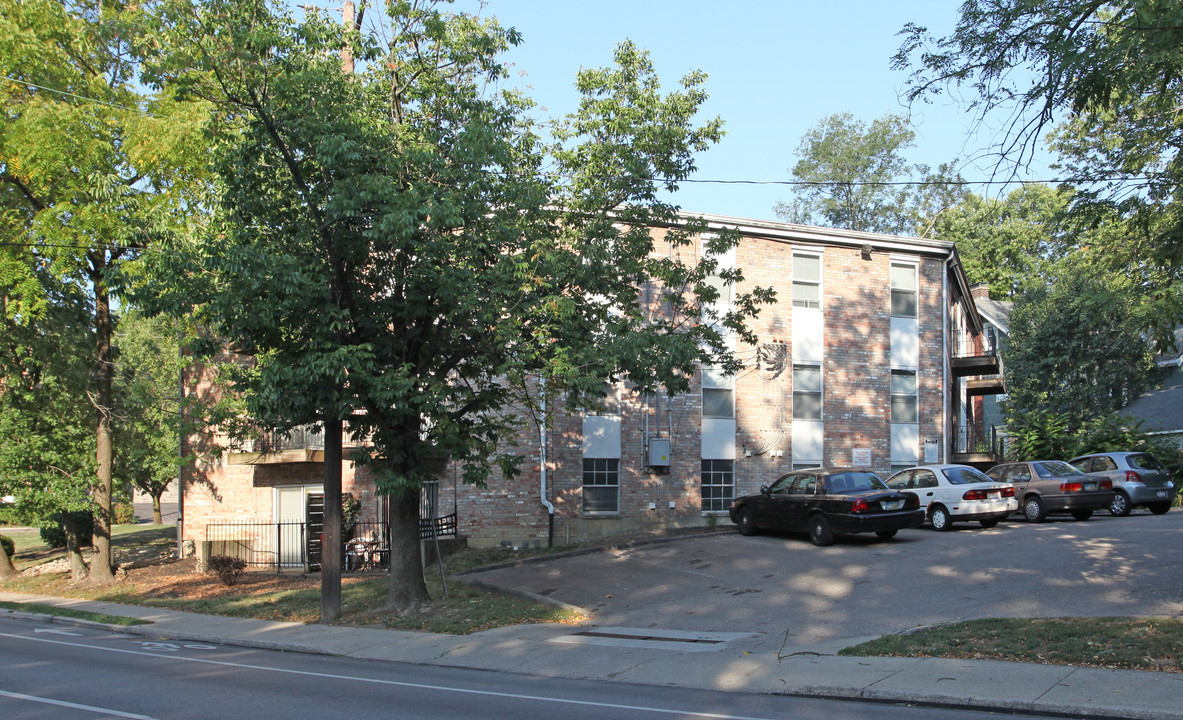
x: 734, y: 662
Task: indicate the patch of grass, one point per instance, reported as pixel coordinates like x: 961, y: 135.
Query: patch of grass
x: 71, y: 613
x: 1129, y: 643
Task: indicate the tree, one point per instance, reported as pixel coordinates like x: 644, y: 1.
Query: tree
x: 1108, y: 72
x: 392, y: 254
x: 855, y: 177
x: 47, y: 458
x: 147, y: 407
x: 1074, y: 351
x: 1008, y: 243
x: 88, y: 173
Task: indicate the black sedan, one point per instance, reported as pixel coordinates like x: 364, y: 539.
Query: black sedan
x: 826, y: 502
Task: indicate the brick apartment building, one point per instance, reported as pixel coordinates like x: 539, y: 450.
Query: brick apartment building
x: 873, y: 356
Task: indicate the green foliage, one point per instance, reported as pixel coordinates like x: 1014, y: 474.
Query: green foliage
x: 1045, y: 435
x: 228, y: 569
x: 1075, y: 350
x: 852, y: 175
x: 54, y: 535
x: 124, y: 513
x: 1108, y: 74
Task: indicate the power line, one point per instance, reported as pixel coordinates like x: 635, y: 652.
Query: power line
x: 87, y: 98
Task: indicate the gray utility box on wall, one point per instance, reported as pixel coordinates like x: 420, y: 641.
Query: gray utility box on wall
x: 659, y: 452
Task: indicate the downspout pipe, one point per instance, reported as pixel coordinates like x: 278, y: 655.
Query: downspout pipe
x: 550, y: 508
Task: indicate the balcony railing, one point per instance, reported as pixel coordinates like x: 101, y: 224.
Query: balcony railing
x: 980, y: 440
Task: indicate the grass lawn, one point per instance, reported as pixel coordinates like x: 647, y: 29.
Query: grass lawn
x: 1129, y: 643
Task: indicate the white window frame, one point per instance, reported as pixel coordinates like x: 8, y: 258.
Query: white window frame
x: 608, y: 472
x: 895, y: 287
x: 798, y: 281
x: 721, y: 477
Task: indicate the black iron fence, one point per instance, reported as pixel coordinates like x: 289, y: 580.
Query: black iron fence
x: 981, y: 439
x: 292, y: 545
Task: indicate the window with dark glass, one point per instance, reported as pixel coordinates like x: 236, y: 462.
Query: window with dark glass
x: 903, y: 397
x: 903, y: 290
x: 601, y: 485
x: 718, y: 403
x: 718, y: 485
x: 807, y: 392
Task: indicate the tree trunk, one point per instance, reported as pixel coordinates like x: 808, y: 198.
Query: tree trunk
x: 157, y: 516
x: 78, y: 568
x: 408, y: 591
x: 104, y: 570
x: 333, y: 546
x: 7, y: 569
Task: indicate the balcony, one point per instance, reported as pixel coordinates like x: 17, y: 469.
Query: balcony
x: 979, y: 445
x: 978, y: 359
x: 301, y: 444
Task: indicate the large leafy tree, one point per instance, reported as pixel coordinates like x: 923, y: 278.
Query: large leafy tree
x: 855, y: 176
x: 1075, y: 351
x: 1109, y: 73
x: 392, y: 253
x: 1011, y: 242
x: 47, y: 458
x: 88, y: 173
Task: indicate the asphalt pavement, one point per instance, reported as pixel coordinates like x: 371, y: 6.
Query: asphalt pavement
x: 748, y: 661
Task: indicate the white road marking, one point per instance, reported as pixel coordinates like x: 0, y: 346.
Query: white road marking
x: 75, y: 706
x: 57, y: 632
x: 394, y: 683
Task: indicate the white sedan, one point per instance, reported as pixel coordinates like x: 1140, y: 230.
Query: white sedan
x: 956, y: 493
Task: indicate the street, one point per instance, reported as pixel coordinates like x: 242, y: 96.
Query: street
x: 67, y: 673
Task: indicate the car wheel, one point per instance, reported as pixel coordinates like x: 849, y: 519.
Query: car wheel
x: 819, y: 531
x: 1119, y: 505
x: 989, y: 523
x: 1159, y: 508
x: 885, y: 534
x: 940, y: 518
x: 746, y: 523
x: 1082, y: 514
x: 1033, y: 509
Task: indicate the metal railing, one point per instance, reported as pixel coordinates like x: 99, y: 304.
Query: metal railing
x: 980, y: 438
x: 289, y: 545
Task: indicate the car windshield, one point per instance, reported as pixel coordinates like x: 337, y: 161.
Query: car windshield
x: 1055, y: 468
x: 1145, y: 462
x: 965, y: 476
x: 854, y: 481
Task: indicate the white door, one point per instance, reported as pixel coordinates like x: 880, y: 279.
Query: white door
x: 290, y: 509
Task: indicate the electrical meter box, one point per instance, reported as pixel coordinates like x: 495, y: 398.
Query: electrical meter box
x: 659, y: 452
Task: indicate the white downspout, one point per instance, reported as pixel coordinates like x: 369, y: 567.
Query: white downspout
x: 945, y: 360
x: 550, y: 508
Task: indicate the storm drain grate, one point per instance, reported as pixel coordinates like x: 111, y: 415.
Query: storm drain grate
x: 648, y: 638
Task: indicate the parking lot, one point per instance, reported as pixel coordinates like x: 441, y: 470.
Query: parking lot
x: 798, y: 595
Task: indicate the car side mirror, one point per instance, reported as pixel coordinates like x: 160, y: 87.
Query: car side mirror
x: 763, y: 489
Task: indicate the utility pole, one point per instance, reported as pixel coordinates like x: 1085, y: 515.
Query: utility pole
x: 332, y: 547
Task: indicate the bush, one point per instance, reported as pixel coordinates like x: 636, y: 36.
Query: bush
x: 228, y: 569
x: 8, y: 515
x: 125, y: 514
x: 9, y: 546
x: 55, y: 536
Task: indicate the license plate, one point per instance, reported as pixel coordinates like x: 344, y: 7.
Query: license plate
x: 892, y: 504
x: 1162, y: 493
x: 1090, y: 486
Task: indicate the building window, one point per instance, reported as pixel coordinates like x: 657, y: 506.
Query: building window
x: 718, y: 403
x: 601, y: 485
x: 718, y: 485
x: 903, y: 397
x: 807, y: 392
x: 903, y: 289
x: 807, y: 281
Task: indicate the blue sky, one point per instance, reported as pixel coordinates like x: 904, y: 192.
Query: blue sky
x: 776, y: 69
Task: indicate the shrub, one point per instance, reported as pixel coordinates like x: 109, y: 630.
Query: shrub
x: 9, y: 546
x: 125, y: 514
x: 228, y: 569
x: 8, y: 515
x: 55, y: 536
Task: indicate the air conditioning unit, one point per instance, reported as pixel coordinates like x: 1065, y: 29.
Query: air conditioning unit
x: 659, y: 452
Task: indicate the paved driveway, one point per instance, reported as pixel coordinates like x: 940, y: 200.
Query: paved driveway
x: 798, y: 595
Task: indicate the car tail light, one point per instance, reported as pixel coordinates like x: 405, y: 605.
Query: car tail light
x: 1008, y: 491
x: 1106, y: 485
x: 859, y: 505
x: 1071, y: 487
x: 1131, y: 476
x: 974, y: 495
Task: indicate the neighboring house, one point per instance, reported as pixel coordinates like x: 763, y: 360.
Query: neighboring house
x: 869, y: 358
x: 1161, y: 410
